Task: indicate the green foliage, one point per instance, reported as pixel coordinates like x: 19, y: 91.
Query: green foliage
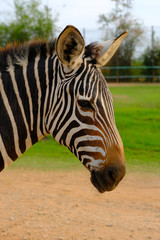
x: 29, y: 22
x: 137, y: 113
x: 151, y: 57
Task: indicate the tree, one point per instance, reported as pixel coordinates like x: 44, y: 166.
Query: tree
x: 117, y: 21
x: 150, y: 59
x: 29, y: 22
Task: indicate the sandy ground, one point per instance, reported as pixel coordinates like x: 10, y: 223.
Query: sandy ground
x: 64, y: 205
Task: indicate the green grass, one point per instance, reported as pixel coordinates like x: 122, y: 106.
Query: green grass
x: 47, y: 155
x: 137, y: 112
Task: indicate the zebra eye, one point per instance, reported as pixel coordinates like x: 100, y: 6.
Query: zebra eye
x: 85, y: 104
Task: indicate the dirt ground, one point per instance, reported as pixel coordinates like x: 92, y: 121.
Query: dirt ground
x: 65, y: 206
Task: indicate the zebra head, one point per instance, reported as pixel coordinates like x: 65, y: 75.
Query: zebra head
x: 86, y: 123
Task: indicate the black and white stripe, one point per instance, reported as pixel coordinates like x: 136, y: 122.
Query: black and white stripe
x: 37, y: 98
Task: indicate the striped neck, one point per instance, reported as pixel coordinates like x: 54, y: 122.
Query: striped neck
x: 27, y: 91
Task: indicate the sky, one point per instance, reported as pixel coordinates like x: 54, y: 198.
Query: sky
x: 84, y: 13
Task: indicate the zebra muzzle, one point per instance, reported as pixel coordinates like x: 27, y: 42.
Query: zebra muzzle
x: 108, y: 178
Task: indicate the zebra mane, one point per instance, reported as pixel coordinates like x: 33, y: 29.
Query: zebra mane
x: 15, y: 53
x: 91, y: 53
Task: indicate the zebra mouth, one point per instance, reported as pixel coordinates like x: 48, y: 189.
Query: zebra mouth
x: 96, y: 183
x: 106, y: 179
x: 101, y: 184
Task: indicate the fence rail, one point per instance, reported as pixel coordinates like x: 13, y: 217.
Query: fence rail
x: 132, y: 73
x: 133, y: 67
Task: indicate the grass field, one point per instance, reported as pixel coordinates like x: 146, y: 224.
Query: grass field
x: 137, y: 112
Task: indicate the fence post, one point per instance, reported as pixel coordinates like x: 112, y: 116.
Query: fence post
x: 117, y: 70
x: 152, y: 42
x: 84, y: 34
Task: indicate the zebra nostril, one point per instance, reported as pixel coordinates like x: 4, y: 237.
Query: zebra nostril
x: 113, y: 173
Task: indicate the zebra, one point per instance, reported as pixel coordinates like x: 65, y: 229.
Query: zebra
x: 56, y: 87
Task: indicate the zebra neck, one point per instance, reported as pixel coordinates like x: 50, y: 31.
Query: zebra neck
x: 25, y: 93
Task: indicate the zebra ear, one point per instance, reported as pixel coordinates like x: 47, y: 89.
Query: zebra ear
x: 70, y: 47
x: 104, y: 51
